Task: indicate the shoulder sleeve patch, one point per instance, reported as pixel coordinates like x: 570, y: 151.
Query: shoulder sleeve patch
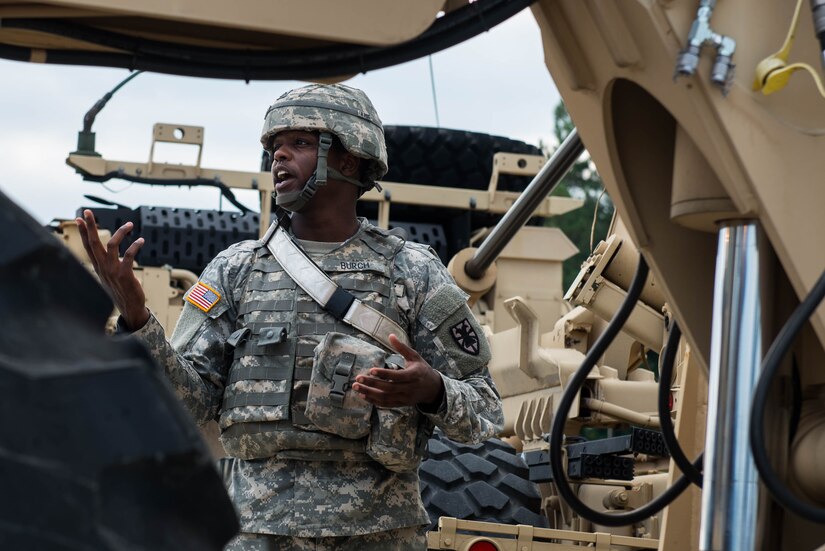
x: 441, y: 306
x: 466, y: 337
x: 447, y: 316
x: 203, y: 296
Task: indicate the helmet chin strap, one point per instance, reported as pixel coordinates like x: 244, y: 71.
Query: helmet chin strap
x: 296, y: 200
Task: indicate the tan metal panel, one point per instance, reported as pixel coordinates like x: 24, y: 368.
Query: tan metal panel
x: 764, y: 150
x: 371, y: 22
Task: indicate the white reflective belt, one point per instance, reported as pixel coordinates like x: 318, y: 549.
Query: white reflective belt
x: 320, y: 287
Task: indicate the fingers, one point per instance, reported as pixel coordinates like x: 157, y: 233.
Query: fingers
x: 395, y: 375
x: 91, y: 240
x: 415, y: 384
x: 83, y: 229
x: 382, y: 392
x: 108, y: 256
x: 373, y: 383
x: 130, y: 254
x: 403, y: 349
x: 391, y: 387
x: 91, y: 229
x: 116, y: 274
x: 114, y: 243
x: 382, y: 398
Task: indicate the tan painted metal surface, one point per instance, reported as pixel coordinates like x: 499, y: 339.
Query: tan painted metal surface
x: 678, y: 157
x: 257, y: 24
x: 530, y: 266
x: 614, y: 68
x: 497, y: 202
x: 460, y: 534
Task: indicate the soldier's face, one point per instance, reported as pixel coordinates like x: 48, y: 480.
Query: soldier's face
x: 294, y: 157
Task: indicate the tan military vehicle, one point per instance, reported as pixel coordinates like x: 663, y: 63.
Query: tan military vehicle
x: 715, y: 175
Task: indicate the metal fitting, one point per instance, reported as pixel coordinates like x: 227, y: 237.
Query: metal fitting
x: 616, y: 499
x: 702, y: 35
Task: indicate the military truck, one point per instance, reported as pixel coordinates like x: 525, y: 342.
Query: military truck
x: 713, y: 259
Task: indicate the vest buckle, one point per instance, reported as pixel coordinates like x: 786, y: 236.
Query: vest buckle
x: 272, y: 335
x: 340, y: 379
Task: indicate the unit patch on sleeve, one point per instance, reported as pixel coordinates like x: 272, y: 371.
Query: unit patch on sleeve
x: 203, y: 296
x: 465, y: 337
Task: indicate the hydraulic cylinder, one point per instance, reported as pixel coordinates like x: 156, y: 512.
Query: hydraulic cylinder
x: 729, y: 498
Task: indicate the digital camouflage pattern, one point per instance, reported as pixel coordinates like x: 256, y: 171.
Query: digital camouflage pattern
x: 342, y: 110
x: 402, y: 539
x: 322, y: 498
x: 270, y: 376
x: 396, y: 439
x: 332, y: 405
x: 336, y: 492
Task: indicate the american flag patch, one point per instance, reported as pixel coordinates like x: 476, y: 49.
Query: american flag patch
x: 203, y: 296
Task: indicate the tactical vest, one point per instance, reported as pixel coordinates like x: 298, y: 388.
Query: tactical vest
x: 277, y: 330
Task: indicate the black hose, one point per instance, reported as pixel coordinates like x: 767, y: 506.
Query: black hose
x: 91, y: 114
x: 666, y: 423
x: 560, y: 417
x: 15, y: 53
x: 770, y: 367
x: 327, y: 62
x: 224, y: 189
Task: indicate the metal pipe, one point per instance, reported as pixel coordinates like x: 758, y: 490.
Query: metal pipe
x: 188, y: 278
x: 623, y: 414
x: 730, y: 486
x: 542, y: 185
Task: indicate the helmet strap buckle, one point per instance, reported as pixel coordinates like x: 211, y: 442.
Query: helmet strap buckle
x: 324, y: 145
x: 295, y: 201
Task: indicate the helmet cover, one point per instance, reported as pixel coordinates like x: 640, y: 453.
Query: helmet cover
x: 341, y: 110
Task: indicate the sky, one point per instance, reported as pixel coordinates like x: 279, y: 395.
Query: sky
x: 495, y: 83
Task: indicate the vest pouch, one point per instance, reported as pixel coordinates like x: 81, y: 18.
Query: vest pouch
x: 332, y: 405
x: 396, y: 439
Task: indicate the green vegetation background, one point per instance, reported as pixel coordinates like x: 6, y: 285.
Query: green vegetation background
x: 582, y: 182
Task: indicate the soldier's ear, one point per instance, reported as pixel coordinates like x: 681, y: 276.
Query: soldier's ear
x: 350, y: 165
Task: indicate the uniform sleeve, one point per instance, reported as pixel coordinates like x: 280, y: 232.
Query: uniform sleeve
x: 447, y: 335
x: 195, y: 358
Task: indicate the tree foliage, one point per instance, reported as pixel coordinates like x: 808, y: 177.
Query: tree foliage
x: 581, y: 182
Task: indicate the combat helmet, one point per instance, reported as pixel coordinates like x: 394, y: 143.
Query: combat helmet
x: 330, y: 109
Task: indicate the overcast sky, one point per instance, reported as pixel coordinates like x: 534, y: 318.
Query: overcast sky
x: 495, y: 83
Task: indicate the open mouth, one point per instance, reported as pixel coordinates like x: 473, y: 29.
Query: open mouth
x: 282, y: 176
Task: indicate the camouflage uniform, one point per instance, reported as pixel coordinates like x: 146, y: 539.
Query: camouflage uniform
x: 254, y: 351
x: 401, y: 539
x: 342, y: 494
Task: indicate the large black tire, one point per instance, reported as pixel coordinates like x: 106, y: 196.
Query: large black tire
x: 487, y: 482
x: 444, y: 157
x: 189, y: 238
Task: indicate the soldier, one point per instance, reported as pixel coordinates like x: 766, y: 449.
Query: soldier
x: 327, y: 351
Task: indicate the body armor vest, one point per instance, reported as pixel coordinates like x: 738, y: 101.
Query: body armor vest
x: 277, y: 330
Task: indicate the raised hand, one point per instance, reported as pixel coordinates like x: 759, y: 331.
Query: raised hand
x: 116, y: 274
x: 416, y: 384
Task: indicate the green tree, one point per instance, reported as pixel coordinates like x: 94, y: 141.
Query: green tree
x: 581, y: 182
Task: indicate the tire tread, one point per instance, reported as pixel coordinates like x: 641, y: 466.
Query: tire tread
x: 486, y: 481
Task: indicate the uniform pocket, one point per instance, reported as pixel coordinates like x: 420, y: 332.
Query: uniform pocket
x: 395, y: 439
x: 332, y: 405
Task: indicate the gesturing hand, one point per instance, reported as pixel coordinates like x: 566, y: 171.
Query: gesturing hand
x: 416, y: 384
x: 116, y: 275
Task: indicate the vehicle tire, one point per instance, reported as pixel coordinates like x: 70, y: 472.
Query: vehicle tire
x: 487, y: 482
x: 446, y: 158
x: 454, y: 158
